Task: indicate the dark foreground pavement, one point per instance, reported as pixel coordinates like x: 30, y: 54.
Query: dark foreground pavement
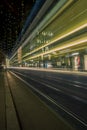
x: 21, y: 109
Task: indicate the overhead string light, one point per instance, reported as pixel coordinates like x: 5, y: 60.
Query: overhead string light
x: 22, y: 11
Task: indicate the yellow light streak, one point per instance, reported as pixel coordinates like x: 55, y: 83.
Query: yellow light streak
x: 77, y: 42
x: 57, y: 39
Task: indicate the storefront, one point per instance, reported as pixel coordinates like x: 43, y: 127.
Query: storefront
x: 85, y: 62
x: 70, y: 61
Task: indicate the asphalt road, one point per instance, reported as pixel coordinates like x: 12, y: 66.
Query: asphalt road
x: 64, y: 93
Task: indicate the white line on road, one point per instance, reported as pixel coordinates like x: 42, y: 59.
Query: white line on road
x: 50, y: 99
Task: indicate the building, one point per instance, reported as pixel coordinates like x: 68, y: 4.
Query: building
x: 56, y: 38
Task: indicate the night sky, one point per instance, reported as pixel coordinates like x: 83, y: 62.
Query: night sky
x: 13, y: 14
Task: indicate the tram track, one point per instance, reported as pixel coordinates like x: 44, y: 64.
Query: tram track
x: 32, y: 113
x: 50, y: 84
x: 37, y: 84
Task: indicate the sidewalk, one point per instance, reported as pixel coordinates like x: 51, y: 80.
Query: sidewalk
x: 63, y: 70
x: 2, y: 103
x: 32, y: 112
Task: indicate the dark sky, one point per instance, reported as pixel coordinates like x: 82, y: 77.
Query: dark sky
x: 13, y: 14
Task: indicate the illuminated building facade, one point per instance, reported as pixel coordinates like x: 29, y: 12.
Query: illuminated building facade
x: 56, y: 38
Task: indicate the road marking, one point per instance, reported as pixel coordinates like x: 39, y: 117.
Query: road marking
x: 56, y: 89
x: 56, y: 79
x: 51, y: 100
